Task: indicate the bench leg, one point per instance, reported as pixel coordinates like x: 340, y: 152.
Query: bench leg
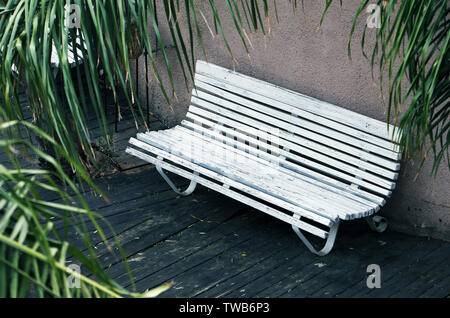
x: 377, y: 223
x: 329, y: 243
x: 186, y: 192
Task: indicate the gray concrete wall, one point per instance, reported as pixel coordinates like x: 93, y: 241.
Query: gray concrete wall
x: 313, y: 60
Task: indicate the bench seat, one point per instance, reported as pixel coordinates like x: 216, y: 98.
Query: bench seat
x: 303, y: 161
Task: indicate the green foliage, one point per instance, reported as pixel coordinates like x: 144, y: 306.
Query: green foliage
x: 33, y: 253
x: 412, y: 50
x: 113, y: 32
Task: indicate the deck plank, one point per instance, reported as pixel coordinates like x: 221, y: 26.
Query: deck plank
x: 210, y: 253
x: 180, y: 245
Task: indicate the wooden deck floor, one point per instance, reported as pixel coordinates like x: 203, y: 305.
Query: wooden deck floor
x: 211, y: 246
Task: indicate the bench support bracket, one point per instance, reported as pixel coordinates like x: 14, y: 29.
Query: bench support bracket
x: 377, y: 223
x: 184, y: 193
x: 328, y: 244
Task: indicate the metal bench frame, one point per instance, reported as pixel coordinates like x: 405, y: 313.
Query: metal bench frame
x: 306, y: 162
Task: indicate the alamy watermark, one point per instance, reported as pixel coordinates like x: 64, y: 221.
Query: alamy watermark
x: 72, y: 16
x: 374, y: 18
x: 232, y: 147
x: 374, y: 279
x: 73, y: 280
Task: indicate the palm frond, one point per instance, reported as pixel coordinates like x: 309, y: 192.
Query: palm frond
x: 110, y: 35
x: 412, y: 47
x: 33, y: 253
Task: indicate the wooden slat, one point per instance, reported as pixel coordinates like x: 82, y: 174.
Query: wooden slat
x: 350, y: 170
x: 145, y: 142
x: 319, y: 176
x: 259, y: 125
x: 235, y: 195
x: 303, y: 128
x: 282, y: 163
x: 264, y: 120
x: 351, y: 206
x: 345, y: 196
x: 337, y: 185
x: 280, y: 177
x: 235, y: 172
x: 295, y: 99
x: 280, y: 110
x: 286, y: 140
x: 219, y: 157
x: 70, y: 55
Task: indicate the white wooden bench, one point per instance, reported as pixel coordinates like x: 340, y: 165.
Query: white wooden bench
x: 54, y: 58
x: 301, y: 160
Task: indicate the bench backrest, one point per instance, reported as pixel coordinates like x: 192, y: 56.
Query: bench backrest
x: 324, y: 141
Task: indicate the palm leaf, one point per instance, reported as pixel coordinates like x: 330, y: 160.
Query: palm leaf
x: 33, y: 253
x: 412, y: 46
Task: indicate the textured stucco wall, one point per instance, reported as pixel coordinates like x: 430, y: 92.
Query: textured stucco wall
x: 313, y: 60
